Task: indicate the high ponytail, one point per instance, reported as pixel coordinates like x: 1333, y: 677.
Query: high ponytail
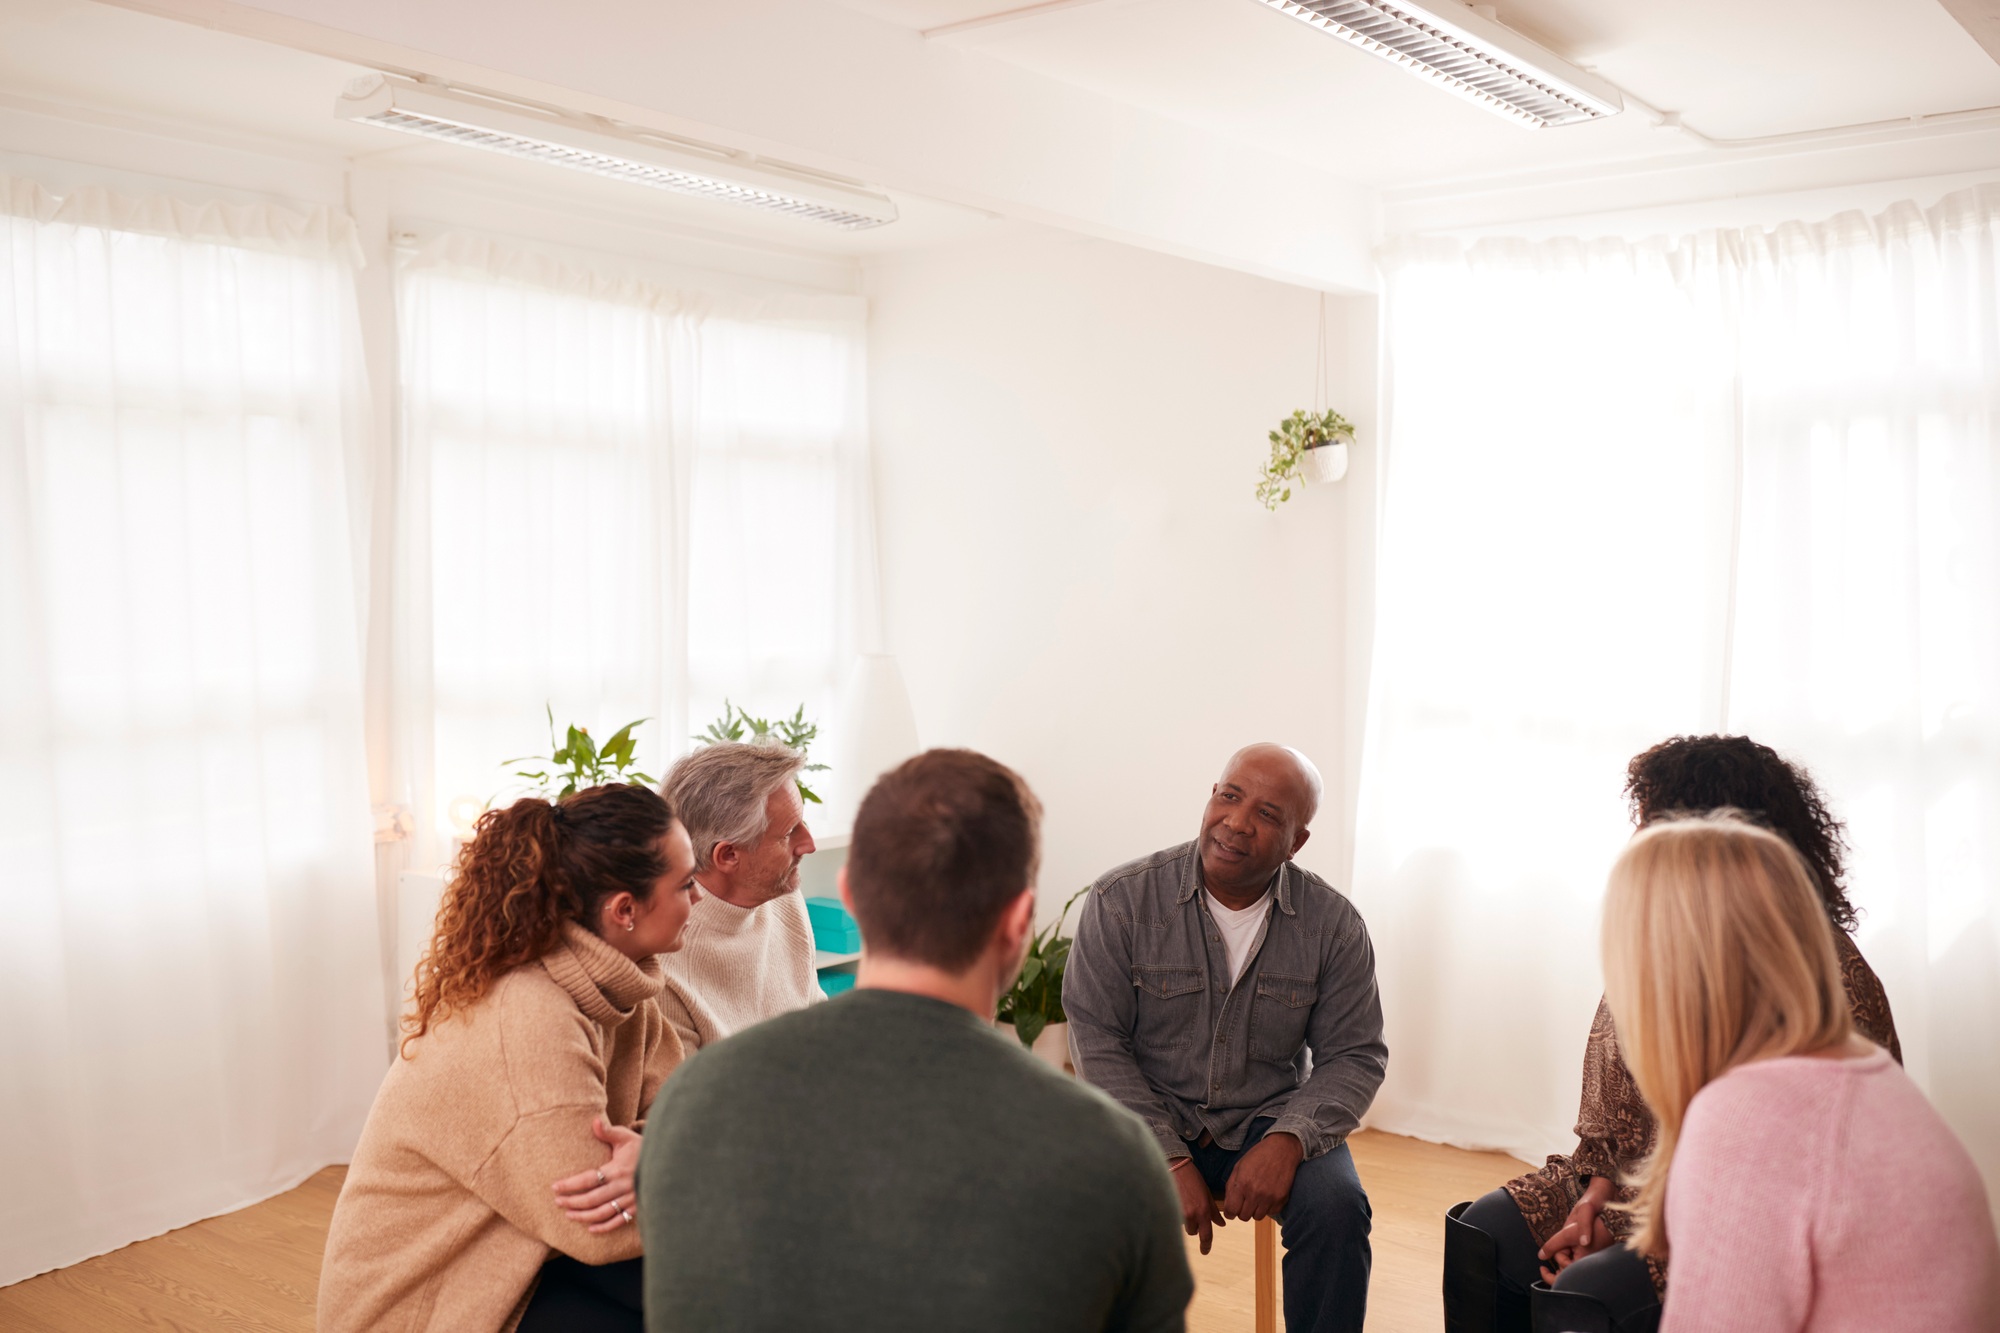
x: 529, y: 868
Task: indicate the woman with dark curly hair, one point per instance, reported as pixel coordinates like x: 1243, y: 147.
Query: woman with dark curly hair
x: 492, y: 1188
x: 1567, y: 1223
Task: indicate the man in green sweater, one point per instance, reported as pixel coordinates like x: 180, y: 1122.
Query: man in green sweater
x: 887, y: 1161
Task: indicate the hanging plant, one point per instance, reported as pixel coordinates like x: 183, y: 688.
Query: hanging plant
x: 1292, y: 446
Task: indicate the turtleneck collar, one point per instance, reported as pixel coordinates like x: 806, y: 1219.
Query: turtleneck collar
x: 719, y: 916
x: 605, y: 984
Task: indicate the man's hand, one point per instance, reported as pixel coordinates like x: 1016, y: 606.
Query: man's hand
x: 1262, y: 1180
x: 1198, y: 1211
x: 1583, y: 1231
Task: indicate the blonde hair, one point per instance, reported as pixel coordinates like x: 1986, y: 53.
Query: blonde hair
x: 1717, y: 952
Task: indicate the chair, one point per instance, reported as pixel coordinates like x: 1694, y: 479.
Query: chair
x: 1264, y: 1298
x: 1267, y: 1276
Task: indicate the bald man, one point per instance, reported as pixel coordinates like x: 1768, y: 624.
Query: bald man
x: 1227, y: 996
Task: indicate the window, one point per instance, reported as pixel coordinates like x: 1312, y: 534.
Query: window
x: 185, y: 818
x: 618, y: 502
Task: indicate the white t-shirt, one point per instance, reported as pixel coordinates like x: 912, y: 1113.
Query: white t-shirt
x: 1239, y: 930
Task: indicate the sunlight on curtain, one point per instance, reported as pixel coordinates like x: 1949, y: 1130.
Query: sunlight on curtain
x: 1743, y: 482
x: 621, y: 502
x: 188, y: 949
x: 538, y: 504
x: 776, y: 606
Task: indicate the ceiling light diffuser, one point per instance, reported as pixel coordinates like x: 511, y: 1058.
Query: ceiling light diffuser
x: 1469, y: 53
x: 477, y: 122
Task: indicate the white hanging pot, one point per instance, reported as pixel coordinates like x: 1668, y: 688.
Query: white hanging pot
x: 1325, y: 462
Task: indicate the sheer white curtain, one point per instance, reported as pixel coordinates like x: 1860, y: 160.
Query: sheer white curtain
x: 619, y: 501
x: 1742, y: 481
x: 191, y: 1015
x: 781, y: 575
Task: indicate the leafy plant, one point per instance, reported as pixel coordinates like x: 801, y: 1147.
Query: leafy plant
x: 1297, y: 433
x: 794, y: 733
x: 580, y: 762
x: 1035, y: 999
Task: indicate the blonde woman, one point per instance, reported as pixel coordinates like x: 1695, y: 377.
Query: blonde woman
x: 1799, y: 1177
x: 1558, y: 1223
x: 492, y: 1188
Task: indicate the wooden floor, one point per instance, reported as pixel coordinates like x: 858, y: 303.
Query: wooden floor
x: 1410, y: 1183
x: 256, y: 1271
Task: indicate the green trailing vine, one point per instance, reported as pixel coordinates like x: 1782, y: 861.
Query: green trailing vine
x: 1297, y: 433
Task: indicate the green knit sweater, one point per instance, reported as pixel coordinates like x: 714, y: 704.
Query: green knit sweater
x: 888, y: 1162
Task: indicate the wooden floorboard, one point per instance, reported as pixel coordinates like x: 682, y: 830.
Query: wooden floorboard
x: 1410, y: 1184
x: 257, y: 1270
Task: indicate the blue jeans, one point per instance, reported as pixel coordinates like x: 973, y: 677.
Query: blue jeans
x: 1325, y: 1227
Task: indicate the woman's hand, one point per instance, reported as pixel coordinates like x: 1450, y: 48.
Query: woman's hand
x: 1583, y: 1231
x: 601, y: 1199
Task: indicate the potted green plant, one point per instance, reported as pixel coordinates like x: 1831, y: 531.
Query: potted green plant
x: 1033, y: 1004
x: 1307, y: 447
x: 794, y: 733
x: 579, y: 762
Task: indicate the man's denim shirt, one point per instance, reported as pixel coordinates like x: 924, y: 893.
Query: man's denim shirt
x: 1155, y: 1022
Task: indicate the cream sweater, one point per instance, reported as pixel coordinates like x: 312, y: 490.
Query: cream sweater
x: 447, y: 1214
x: 737, y: 966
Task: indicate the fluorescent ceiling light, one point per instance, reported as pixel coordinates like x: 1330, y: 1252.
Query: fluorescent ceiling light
x: 1469, y: 53
x: 499, y: 127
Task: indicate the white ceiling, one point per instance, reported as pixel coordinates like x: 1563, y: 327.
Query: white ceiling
x: 1218, y: 129
x: 1731, y: 68
x: 97, y: 58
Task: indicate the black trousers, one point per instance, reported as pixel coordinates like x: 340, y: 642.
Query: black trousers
x: 576, y: 1297
x: 1617, y: 1278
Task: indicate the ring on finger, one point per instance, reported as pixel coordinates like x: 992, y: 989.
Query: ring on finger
x: 627, y: 1216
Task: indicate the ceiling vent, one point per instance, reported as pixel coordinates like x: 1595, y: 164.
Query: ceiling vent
x: 536, y: 136
x: 1468, y: 52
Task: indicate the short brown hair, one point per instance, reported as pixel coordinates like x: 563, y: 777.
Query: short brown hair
x: 941, y: 845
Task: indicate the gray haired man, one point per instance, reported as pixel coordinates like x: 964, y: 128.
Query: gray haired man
x: 748, y: 951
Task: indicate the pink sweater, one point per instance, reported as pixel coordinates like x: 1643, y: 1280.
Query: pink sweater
x: 1826, y: 1196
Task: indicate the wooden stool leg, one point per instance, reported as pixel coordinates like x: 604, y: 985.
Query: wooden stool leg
x: 1267, y: 1275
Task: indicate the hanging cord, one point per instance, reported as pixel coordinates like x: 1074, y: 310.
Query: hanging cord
x: 1319, y: 362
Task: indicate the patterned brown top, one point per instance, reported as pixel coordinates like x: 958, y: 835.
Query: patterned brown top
x: 1614, y: 1127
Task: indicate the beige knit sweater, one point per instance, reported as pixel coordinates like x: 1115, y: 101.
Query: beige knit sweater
x: 737, y: 966
x: 447, y: 1214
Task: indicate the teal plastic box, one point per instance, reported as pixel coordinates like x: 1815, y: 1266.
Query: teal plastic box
x: 836, y: 983
x: 833, y: 926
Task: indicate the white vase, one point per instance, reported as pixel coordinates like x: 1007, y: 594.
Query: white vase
x: 1326, y: 462
x: 1052, y: 1047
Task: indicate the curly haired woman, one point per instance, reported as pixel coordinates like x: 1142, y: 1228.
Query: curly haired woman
x: 492, y: 1188
x: 1554, y: 1224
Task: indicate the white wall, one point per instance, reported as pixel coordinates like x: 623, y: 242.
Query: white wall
x: 1076, y: 576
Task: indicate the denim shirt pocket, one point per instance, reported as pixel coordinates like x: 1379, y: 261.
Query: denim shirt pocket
x: 1169, y: 1005
x: 1279, y: 1014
